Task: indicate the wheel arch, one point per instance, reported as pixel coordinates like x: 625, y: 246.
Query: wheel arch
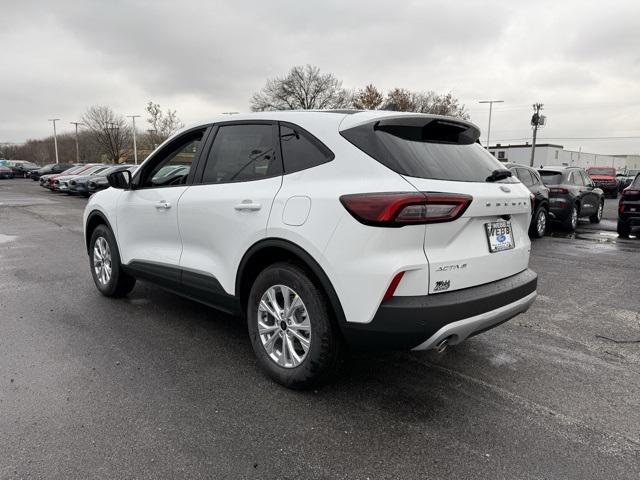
x: 95, y: 218
x: 271, y: 250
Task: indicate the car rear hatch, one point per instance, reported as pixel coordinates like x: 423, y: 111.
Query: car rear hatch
x: 439, y: 155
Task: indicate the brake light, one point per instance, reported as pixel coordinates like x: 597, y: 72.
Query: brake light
x: 558, y: 190
x: 392, y: 287
x: 397, y: 209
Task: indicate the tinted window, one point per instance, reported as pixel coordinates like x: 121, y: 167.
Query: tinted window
x: 576, y: 178
x: 241, y: 153
x: 300, y: 152
x: 525, y: 177
x: 437, y: 150
x: 171, y: 166
x: 550, y: 177
x: 586, y: 179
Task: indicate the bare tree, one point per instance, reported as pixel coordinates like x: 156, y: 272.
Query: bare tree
x: 368, y: 98
x: 110, y: 132
x: 303, y: 88
x: 402, y: 100
x: 163, y: 124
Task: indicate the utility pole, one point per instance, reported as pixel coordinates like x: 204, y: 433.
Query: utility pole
x: 135, y: 147
x: 55, y: 136
x: 490, y: 102
x: 536, y: 121
x: 77, y: 144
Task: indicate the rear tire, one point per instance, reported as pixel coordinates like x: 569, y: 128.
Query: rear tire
x: 596, y: 217
x: 571, y: 222
x: 300, y: 346
x: 106, y: 269
x: 539, y: 223
x: 624, y: 229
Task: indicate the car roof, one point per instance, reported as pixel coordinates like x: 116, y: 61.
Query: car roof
x: 342, y: 119
x: 558, y: 168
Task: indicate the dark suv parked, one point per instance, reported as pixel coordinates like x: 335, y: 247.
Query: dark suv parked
x: 572, y: 194
x: 629, y: 208
x: 540, y: 197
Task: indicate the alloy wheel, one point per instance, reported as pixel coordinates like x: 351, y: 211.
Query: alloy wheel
x: 541, y: 224
x: 284, y: 327
x: 102, y: 260
x: 600, y: 210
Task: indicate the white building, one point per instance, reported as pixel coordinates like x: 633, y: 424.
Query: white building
x: 550, y: 154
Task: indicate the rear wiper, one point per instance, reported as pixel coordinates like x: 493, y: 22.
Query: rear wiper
x: 498, y: 175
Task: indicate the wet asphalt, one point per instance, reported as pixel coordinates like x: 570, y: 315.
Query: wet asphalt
x: 155, y: 386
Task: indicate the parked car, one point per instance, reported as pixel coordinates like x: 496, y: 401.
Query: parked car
x: 605, y: 179
x: 539, y: 196
x: 629, y: 208
x: 572, y: 195
x: 385, y: 229
x: 46, y: 181
x: 626, y: 179
x: 5, y: 172
x: 50, y: 181
x: 61, y: 182
x: 88, y: 184
x: 22, y: 168
x: 50, y: 169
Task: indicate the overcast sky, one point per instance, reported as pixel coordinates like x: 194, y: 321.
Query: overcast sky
x: 580, y: 58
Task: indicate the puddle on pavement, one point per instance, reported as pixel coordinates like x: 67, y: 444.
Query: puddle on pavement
x: 598, y: 237
x: 7, y: 238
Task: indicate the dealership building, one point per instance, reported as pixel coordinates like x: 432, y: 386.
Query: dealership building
x: 551, y: 154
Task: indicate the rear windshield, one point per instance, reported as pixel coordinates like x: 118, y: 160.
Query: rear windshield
x: 437, y: 151
x: 602, y: 171
x: 550, y: 178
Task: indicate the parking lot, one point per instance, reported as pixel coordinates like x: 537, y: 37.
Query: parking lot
x: 156, y: 386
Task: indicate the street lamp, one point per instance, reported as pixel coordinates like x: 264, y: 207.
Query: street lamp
x: 490, y: 102
x: 55, y: 136
x: 135, y: 148
x: 77, y: 144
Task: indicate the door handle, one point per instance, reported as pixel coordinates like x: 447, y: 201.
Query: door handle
x: 163, y: 205
x: 248, y: 205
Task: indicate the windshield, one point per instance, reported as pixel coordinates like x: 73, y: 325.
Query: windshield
x: 550, y: 177
x: 602, y: 171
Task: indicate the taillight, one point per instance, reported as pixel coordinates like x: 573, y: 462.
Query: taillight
x: 397, y: 209
x: 558, y: 190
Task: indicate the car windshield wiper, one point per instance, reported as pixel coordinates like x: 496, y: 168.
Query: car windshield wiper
x: 498, y: 175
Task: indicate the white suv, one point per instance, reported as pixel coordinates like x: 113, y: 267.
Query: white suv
x: 323, y: 229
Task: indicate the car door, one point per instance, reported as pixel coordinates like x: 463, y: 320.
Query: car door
x: 147, y: 214
x: 227, y: 209
x: 585, y: 199
x: 592, y: 193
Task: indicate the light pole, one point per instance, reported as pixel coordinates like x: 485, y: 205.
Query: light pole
x: 55, y: 136
x: 77, y: 144
x: 135, y: 148
x: 490, y: 102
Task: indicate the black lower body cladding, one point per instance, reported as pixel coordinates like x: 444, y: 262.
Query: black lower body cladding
x: 403, y: 323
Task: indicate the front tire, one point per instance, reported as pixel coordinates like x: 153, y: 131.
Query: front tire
x: 291, y: 328
x: 596, y: 217
x: 106, y: 269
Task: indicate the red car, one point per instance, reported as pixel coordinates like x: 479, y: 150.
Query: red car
x: 605, y: 178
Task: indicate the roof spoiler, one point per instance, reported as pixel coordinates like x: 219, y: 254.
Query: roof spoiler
x: 425, y: 128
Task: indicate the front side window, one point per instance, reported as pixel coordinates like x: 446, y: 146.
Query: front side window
x: 300, y: 152
x: 242, y: 153
x: 174, y: 162
x: 586, y: 179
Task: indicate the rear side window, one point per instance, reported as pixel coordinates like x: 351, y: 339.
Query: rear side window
x: 242, y: 153
x: 576, y: 178
x: 300, y: 151
x: 636, y: 182
x: 439, y: 150
x: 525, y: 177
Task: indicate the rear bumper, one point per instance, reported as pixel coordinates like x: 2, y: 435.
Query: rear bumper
x: 420, y: 323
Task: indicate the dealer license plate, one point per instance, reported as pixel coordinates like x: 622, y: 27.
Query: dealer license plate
x: 499, y: 236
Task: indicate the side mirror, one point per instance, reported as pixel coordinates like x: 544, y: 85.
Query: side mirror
x: 121, y: 179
